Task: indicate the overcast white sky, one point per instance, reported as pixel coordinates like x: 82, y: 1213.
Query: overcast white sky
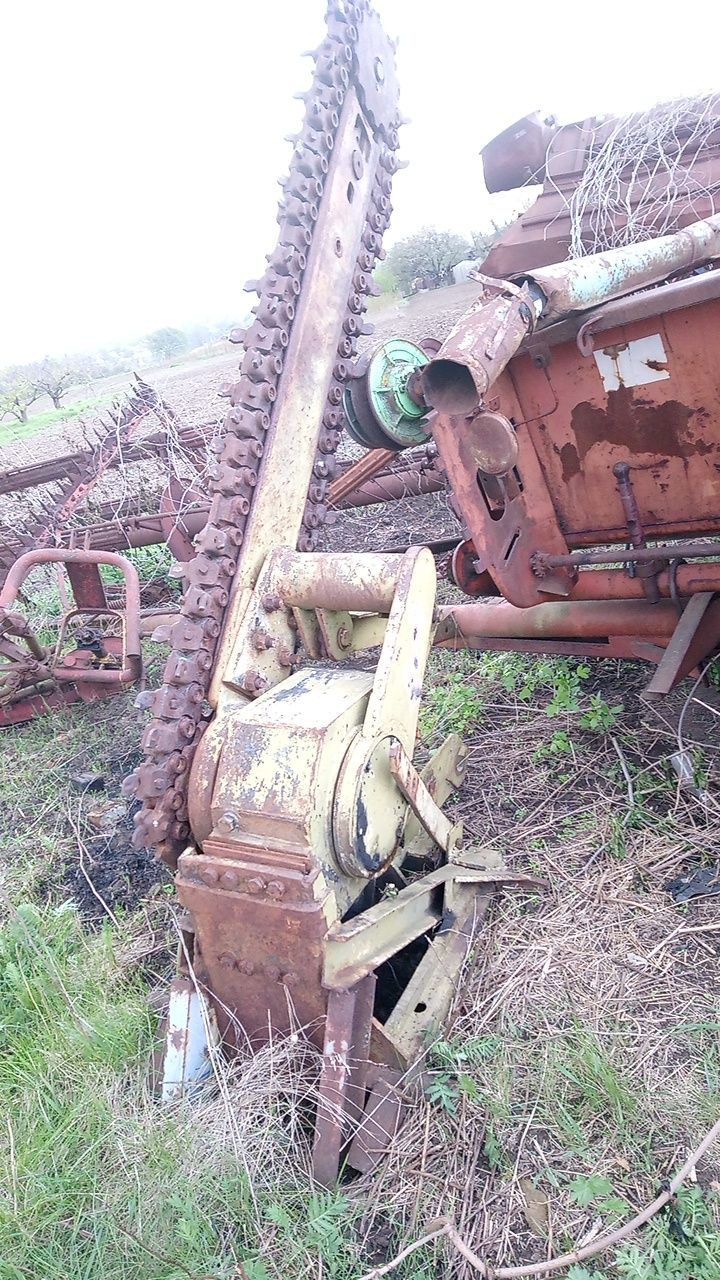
x: 143, y: 138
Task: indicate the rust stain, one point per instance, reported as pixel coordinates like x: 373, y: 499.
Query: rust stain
x: 640, y: 426
x: 570, y: 462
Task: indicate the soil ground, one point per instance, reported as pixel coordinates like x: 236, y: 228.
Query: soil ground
x: 582, y: 1062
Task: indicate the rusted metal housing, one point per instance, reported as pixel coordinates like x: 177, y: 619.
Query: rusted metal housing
x: 536, y: 150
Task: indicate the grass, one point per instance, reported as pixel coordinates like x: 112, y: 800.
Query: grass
x: 37, y: 422
x: 582, y: 1059
x: 96, y: 1181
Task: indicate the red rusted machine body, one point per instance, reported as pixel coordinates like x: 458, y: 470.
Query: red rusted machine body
x: 635, y: 383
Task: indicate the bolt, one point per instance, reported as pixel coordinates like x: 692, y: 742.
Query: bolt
x: 291, y: 979
x: 209, y: 875
x: 286, y: 657
x: 247, y: 967
x: 230, y: 879
x: 262, y: 641
x: 256, y: 885
x: 227, y: 823
x: 275, y: 888
x: 254, y: 682
x: 344, y: 637
x: 272, y: 972
x: 227, y: 960
x: 271, y: 603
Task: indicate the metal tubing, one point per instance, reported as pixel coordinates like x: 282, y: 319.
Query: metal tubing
x: 358, y: 474
x: 62, y: 555
x: 639, y: 555
x: 578, y: 619
x: 588, y: 282
x: 478, y: 349
x: 636, y: 306
x: 316, y: 580
x: 392, y: 488
x: 615, y: 584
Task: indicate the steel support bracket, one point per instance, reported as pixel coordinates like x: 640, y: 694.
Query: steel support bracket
x: 356, y: 947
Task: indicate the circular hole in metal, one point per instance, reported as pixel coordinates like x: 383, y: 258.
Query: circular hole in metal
x: 350, y: 192
x: 421, y: 1007
x: 338, y: 247
x: 379, y: 70
x: 449, y: 387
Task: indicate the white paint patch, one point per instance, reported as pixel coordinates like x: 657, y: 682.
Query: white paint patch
x: 632, y: 364
x: 191, y: 1038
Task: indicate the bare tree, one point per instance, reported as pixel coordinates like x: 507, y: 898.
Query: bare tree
x: 52, y: 378
x: 17, y: 393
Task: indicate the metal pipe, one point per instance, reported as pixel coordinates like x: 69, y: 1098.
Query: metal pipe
x: 588, y: 282
x: 358, y: 474
x: 577, y: 619
x: 392, y: 488
x: 621, y: 555
x: 615, y: 584
x: 477, y: 350
x: 62, y: 555
x: 316, y: 580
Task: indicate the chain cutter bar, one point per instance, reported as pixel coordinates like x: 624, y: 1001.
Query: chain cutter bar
x: 285, y: 408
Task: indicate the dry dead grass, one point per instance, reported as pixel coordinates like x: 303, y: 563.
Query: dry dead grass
x: 585, y: 1036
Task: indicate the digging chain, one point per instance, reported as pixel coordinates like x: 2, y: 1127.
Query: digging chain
x: 179, y: 708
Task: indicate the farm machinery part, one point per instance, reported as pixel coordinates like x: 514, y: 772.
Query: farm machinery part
x: 381, y: 477
x: 97, y: 650
x: 310, y: 853
x: 325, y: 860
x: 324, y: 885
x: 551, y: 446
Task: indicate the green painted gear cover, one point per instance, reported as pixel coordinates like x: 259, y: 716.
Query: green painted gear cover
x: 381, y: 412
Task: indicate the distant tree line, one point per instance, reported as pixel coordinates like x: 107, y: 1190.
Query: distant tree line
x: 21, y: 385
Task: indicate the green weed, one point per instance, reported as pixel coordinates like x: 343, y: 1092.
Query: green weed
x: 450, y: 707
x: 682, y: 1243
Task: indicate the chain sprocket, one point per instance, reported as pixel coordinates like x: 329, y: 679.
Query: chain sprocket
x: 354, y: 54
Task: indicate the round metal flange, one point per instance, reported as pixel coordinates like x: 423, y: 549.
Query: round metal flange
x: 381, y: 410
x: 494, y: 443
x: 368, y: 810
x: 402, y: 420
x: 359, y: 419
x: 463, y: 571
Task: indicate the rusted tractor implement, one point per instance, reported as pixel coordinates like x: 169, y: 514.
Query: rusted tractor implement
x: 574, y: 412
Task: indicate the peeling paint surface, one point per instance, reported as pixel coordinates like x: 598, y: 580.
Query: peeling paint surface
x: 632, y: 364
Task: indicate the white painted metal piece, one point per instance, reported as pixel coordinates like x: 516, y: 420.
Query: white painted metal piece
x: 191, y: 1040
x: 632, y: 364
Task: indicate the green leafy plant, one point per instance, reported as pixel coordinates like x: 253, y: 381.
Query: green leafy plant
x: 600, y: 716
x: 559, y: 744
x: 450, y: 707
x: 597, y: 1190
x: 443, y: 1092
x: 682, y: 1243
